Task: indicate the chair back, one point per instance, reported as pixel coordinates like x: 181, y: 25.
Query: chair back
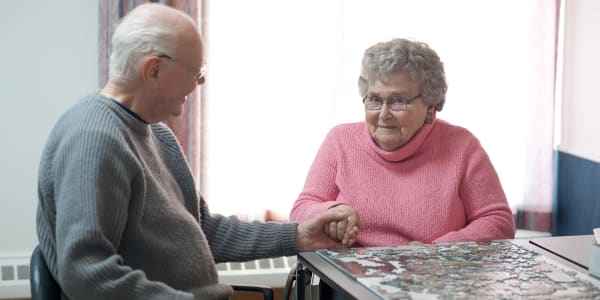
x: 42, y: 284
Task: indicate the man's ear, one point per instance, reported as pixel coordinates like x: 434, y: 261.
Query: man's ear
x: 150, y: 68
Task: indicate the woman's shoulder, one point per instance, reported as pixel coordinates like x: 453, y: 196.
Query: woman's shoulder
x: 455, y: 136
x: 347, y: 128
x: 446, y: 128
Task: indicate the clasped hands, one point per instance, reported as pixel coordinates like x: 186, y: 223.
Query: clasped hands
x: 336, y: 227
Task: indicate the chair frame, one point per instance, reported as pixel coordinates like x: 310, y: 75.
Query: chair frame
x: 41, y: 283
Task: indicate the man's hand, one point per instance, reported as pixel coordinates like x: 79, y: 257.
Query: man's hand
x: 312, y: 233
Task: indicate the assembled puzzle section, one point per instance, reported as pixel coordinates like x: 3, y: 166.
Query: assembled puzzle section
x: 473, y: 270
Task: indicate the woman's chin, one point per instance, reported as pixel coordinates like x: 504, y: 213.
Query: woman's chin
x: 389, y: 145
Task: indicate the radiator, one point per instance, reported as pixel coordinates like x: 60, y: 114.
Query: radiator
x: 14, y: 276
x: 270, y: 272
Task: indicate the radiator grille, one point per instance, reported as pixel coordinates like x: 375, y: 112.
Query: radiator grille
x: 269, y: 271
x: 14, y: 276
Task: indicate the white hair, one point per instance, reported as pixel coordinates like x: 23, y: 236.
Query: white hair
x: 411, y: 57
x: 139, y: 34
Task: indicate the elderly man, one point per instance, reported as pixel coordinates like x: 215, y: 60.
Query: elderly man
x: 118, y: 214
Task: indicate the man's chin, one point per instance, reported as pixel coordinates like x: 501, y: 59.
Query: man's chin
x: 178, y: 111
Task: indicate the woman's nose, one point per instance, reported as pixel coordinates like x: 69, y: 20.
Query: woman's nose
x: 385, y: 112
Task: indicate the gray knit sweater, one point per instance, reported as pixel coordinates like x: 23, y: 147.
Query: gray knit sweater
x: 119, y: 216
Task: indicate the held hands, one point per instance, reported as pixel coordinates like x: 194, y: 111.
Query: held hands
x: 313, y: 235
x: 345, y: 229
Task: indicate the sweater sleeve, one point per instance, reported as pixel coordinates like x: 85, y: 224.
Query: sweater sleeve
x: 320, y: 189
x: 92, y: 174
x: 231, y: 239
x: 488, y: 215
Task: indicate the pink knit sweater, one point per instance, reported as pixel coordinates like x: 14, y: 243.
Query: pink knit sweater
x: 440, y: 187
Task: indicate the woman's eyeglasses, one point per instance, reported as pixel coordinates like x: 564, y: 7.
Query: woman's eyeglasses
x: 393, y: 103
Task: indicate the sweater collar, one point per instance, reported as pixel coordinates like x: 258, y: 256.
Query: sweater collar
x: 127, y: 116
x: 405, y: 151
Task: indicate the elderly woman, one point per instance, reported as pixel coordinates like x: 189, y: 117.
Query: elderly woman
x: 410, y: 177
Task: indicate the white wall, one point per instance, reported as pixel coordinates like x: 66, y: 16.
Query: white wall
x: 580, y: 130
x: 48, y: 59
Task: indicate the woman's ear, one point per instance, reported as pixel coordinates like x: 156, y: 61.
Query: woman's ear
x: 430, y: 114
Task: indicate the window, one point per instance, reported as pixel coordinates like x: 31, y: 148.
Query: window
x: 282, y: 73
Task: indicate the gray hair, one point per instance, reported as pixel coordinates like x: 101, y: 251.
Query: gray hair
x: 139, y: 34
x: 415, y: 59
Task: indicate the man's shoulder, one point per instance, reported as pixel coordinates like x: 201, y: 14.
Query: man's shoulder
x: 90, y: 117
x: 85, y: 109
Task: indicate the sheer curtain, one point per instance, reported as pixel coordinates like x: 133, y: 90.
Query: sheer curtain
x: 187, y: 126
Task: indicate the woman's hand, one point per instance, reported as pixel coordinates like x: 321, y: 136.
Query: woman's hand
x: 345, y: 229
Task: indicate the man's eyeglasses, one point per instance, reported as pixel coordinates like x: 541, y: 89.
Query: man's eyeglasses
x: 199, y: 74
x: 393, y: 103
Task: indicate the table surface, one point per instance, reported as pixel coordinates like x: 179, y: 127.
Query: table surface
x: 570, y: 251
x: 574, y: 248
